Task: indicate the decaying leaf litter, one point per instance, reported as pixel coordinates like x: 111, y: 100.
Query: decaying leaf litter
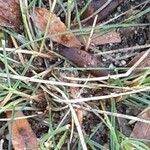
x: 87, y: 44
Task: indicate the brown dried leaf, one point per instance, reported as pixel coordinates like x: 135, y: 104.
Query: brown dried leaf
x: 83, y: 59
x: 10, y: 14
x: 22, y: 135
x: 142, y: 130
x: 111, y: 37
x: 143, y: 64
x: 40, y: 17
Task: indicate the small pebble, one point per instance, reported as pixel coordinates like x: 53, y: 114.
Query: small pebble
x: 104, y: 60
x: 123, y: 62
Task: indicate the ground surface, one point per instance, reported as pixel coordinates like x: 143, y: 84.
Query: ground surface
x: 92, y: 124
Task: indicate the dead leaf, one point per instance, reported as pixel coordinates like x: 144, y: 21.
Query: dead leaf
x: 83, y: 59
x: 97, y: 4
x: 22, y: 135
x: 142, y: 130
x: 40, y: 17
x: 10, y: 14
x: 143, y: 64
x: 111, y: 37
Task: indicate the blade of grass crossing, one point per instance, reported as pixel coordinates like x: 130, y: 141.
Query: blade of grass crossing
x: 61, y: 141
x: 113, y: 135
x: 113, y: 122
x: 51, y: 127
x: 25, y: 22
x: 70, y: 4
x: 140, y: 99
x: 48, y: 136
x: 79, y: 21
x: 133, y: 144
x: 6, y: 64
x: 95, y: 145
x: 48, y: 25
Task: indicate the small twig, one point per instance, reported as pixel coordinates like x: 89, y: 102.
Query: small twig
x: 48, y: 25
x: 23, y: 51
x: 91, y: 33
x: 50, y: 82
x: 65, y: 116
x: 35, y: 80
x: 42, y: 74
x: 17, y: 118
x: 72, y: 130
x: 19, y: 54
x: 80, y: 133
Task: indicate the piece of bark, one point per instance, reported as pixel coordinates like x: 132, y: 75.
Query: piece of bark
x: 142, y: 130
x: 104, y: 13
x: 10, y: 14
x: 110, y: 37
x: 22, y: 135
x: 40, y: 17
x: 83, y: 59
